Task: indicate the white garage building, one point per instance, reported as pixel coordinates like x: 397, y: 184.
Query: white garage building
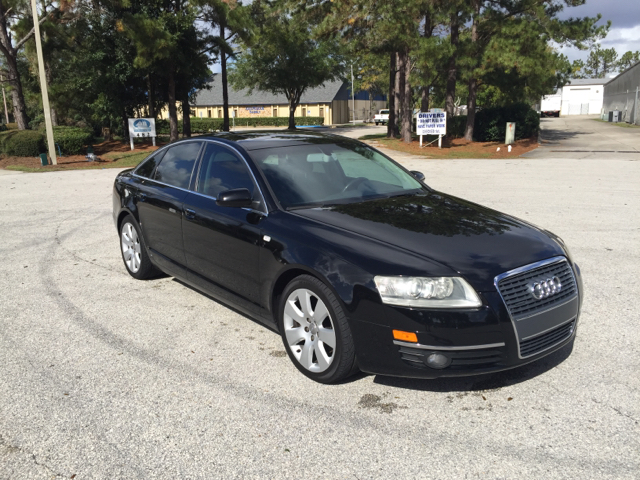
x: 583, y: 96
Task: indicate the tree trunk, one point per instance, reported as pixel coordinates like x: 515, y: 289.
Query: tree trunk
x: 428, y: 32
x: 399, y: 90
x: 473, y: 81
x: 186, y: 117
x: 407, y: 102
x: 452, y: 68
x: 292, y: 111
x: 225, y: 92
x: 49, y: 77
x: 173, y: 113
x: 11, y: 55
x: 151, y: 96
x: 391, y: 122
x: 424, y: 100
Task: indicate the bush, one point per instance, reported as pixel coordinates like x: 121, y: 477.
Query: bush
x: 72, y: 140
x: 12, y: 126
x: 491, y: 123
x: 456, y: 126
x: 22, y: 143
x: 210, y: 125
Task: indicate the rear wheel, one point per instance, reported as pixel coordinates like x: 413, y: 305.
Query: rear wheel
x: 315, y: 331
x: 134, y: 253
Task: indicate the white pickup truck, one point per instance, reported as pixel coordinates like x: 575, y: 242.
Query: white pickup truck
x: 382, y: 117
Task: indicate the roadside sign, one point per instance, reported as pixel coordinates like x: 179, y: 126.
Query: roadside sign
x: 142, y: 128
x: 431, y: 123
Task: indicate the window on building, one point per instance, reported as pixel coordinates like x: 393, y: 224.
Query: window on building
x: 275, y: 111
x: 304, y: 111
x: 322, y: 111
x: 219, y: 113
x: 235, y: 112
x: 209, y: 113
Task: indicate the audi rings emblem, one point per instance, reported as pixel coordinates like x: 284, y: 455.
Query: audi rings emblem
x: 545, y: 288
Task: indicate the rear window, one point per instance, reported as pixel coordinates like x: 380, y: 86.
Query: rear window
x: 146, y: 168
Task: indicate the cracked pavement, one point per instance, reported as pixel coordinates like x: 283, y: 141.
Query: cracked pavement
x: 104, y: 376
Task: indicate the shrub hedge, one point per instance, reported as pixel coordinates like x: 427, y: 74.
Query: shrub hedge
x: 22, y: 143
x: 210, y: 125
x: 31, y: 143
x: 72, y: 140
x: 491, y: 123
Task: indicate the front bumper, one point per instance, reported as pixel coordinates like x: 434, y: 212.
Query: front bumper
x: 475, y: 341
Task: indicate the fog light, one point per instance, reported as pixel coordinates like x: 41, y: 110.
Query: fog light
x: 438, y: 360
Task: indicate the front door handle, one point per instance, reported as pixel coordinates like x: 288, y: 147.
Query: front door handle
x: 189, y: 214
x: 142, y: 197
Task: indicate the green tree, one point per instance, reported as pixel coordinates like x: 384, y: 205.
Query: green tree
x: 628, y: 59
x: 600, y: 62
x: 284, y: 58
x: 13, y: 14
x: 233, y: 24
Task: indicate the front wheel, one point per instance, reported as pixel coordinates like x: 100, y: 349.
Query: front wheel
x: 315, y: 331
x: 134, y: 253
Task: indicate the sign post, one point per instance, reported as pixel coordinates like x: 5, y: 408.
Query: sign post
x: 431, y: 123
x: 142, y: 128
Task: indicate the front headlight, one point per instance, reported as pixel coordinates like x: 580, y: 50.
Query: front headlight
x: 427, y: 292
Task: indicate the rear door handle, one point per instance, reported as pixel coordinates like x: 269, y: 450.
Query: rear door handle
x: 190, y: 214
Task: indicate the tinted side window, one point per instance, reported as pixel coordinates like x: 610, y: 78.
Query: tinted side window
x: 177, y: 164
x: 146, y: 169
x: 222, y: 170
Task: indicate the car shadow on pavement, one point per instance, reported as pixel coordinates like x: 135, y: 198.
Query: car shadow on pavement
x: 490, y: 381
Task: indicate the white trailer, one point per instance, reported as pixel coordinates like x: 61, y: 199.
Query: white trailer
x: 550, y: 105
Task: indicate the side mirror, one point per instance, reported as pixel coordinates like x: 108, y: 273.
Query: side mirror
x: 418, y: 175
x: 238, y: 197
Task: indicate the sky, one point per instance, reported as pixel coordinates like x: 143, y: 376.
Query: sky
x: 624, y: 34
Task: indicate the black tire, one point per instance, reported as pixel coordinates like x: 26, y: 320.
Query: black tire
x: 138, y: 254
x: 343, y: 358
x: 376, y: 124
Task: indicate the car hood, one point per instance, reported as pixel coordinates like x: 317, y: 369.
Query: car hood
x: 475, y: 241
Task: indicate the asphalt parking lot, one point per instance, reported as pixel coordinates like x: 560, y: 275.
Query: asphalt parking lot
x: 103, y: 376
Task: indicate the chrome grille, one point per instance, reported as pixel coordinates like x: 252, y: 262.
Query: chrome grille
x: 546, y: 340
x: 517, y: 296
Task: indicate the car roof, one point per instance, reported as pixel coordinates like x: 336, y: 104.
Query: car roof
x: 260, y: 139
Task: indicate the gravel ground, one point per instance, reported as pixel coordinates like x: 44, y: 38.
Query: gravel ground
x: 104, y: 376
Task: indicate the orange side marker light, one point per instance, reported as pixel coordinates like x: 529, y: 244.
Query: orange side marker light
x: 405, y: 336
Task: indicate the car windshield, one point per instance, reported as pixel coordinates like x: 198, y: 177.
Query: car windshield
x: 313, y: 175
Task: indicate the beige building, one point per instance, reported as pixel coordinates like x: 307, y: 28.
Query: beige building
x: 332, y: 101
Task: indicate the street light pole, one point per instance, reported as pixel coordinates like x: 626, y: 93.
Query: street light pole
x: 43, y: 85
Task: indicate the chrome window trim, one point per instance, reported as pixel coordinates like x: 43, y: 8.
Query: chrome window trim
x: 204, y: 141
x: 526, y: 268
x: 449, y: 349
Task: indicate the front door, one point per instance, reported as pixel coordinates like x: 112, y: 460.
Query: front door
x: 222, y: 244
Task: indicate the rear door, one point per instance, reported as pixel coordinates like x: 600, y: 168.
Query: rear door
x: 222, y: 244
x: 159, y: 204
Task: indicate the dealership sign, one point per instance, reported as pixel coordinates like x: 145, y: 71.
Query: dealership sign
x: 142, y: 127
x: 431, y: 123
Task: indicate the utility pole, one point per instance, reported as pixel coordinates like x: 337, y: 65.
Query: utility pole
x: 353, y: 98
x: 43, y: 85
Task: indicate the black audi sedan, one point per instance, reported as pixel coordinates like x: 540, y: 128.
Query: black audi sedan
x: 353, y: 259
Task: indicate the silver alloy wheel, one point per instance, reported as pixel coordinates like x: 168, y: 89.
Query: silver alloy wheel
x: 131, y: 249
x: 309, y: 330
